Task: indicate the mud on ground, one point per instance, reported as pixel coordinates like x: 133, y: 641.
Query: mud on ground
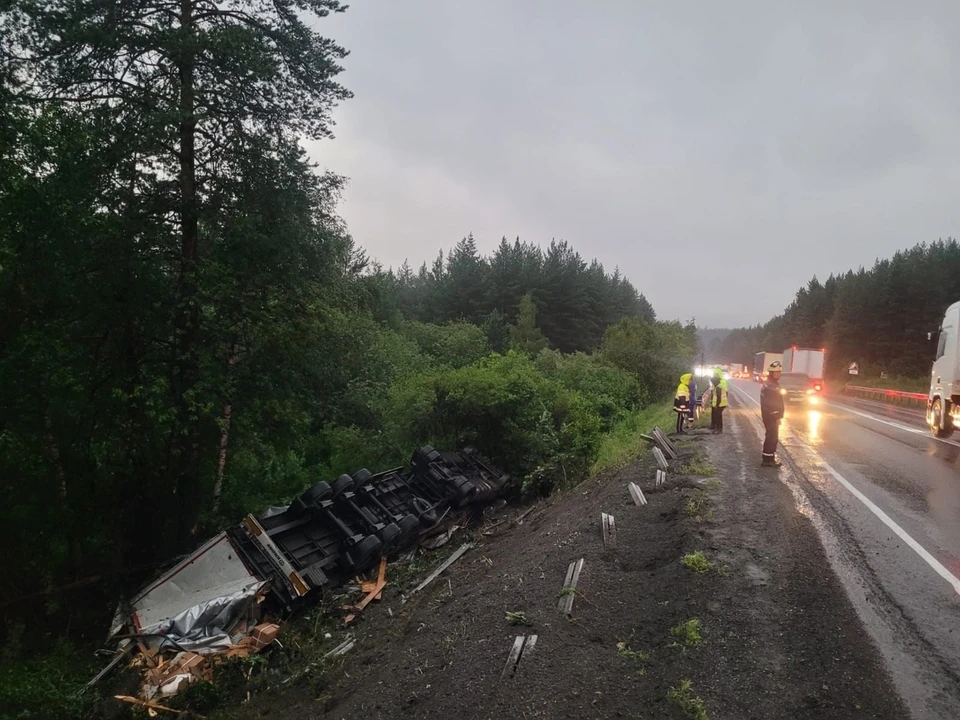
x: 777, y: 638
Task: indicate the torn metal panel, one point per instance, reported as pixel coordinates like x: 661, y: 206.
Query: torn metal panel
x: 212, y: 572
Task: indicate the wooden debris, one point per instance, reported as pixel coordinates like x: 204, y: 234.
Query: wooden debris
x: 341, y: 649
x: 609, y: 531
x: 521, y: 516
x: 661, y: 460
x: 375, y: 593
x: 523, y: 647
x: 661, y: 478
x: 651, y: 440
x: 447, y: 563
x: 665, y: 443
x: 568, y: 592
x: 150, y: 706
x: 637, y: 494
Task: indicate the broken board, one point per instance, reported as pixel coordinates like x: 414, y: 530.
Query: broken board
x: 661, y: 478
x: 637, y: 494
x: 565, y: 604
x: 661, y: 460
x: 609, y: 531
x: 665, y: 443
x: 436, y: 573
x: 522, y: 648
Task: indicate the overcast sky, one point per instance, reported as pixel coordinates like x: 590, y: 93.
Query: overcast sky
x: 720, y: 153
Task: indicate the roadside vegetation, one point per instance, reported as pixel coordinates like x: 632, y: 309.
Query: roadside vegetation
x: 190, y: 333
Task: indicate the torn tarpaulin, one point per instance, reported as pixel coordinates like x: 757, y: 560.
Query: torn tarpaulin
x: 207, y: 627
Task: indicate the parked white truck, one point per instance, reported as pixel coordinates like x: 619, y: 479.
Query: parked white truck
x: 808, y: 361
x: 943, y: 403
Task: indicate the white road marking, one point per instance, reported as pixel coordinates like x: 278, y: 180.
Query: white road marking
x: 905, y: 428
x: 935, y: 564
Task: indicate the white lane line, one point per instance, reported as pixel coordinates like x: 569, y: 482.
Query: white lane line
x: 905, y: 428
x: 900, y: 532
x: 935, y: 564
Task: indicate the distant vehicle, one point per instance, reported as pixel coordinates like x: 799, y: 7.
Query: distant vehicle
x: 809, y: 361
x: 800, y: 387
x: 761, y: 361
x: 943, y: 402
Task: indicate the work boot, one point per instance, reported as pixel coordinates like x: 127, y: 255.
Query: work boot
x: 771, y: 462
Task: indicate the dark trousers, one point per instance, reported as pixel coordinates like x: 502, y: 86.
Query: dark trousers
x: 681, y: 419
x: 716, y: 419
x: 772, y: 426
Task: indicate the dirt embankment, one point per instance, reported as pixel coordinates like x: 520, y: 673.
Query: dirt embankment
x: 763, y: 631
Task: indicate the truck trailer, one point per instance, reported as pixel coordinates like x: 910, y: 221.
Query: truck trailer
x: 943, y: 401
x: 809, y: 361
x: 761, y: 361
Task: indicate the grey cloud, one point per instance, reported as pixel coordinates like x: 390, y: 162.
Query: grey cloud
x: 765, y: 141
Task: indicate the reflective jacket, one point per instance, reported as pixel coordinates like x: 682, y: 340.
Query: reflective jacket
x: 720, y: 391
x: 682, y: 398
x: 771, y: 400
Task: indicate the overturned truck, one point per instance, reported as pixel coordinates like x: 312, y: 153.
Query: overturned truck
x: 294, y: 554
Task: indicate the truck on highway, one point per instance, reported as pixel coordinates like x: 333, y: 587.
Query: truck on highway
x: 943, y: 402
x: 809, y: 361
x: 761, y: 361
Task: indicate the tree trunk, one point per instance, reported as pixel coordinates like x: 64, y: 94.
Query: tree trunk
x: 224, y: 437
x: 186, y: 444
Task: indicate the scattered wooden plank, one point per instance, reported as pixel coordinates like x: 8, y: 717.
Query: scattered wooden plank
x: 567, y: 594
x: 523, y: 646
x: 514, y: 655
x: 651, y: 440
x: 637, y: 494
x: 661, y: 460
x: 521, y: 516
x: 341, y: 649
x: 609, y: 531
x: 661, y: 478
x: 148, y: 705
x: 665, y: 443
x: 447, y: 563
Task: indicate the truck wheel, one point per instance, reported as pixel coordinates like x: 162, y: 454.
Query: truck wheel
x: 342, y: 484
x: 409, y: 526
x: 319, y: 492
x: 390, y: 537
x: 366, y: 552
x: 427, y: 454
x: 361, y: 476
x: 941, y: 424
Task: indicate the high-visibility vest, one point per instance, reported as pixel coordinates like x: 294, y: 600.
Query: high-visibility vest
x: 720, y: 394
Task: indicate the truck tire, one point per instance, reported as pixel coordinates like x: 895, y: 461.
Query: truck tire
x: 409, y: 526
x: 940, y: 423
x: 365, y: 552
x: 318, y: 493
x: 361, y: 476
x: 427, y: 455
x: 342, y: 484
x: 390, y: 537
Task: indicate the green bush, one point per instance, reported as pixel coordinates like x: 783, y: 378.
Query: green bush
x: 47, y: 686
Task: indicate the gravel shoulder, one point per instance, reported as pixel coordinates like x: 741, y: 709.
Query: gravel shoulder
x: 777, y: 637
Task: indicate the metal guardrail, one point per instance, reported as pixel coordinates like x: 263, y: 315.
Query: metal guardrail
x: 894, y: 397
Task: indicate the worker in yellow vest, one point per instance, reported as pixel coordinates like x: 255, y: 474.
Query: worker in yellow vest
x: 682, y: 401
x: 718, y: 402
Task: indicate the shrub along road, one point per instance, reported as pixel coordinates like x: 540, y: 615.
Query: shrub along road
x: 717, y: 602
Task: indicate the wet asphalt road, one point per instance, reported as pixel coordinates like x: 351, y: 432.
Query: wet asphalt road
x: 884, y: 497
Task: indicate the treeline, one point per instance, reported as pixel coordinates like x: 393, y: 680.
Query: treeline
x: 878, y: 318
x: 576, y: 302
x: 189, y: 333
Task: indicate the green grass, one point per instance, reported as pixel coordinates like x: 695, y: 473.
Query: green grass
x: 698, y: 467
x: 697, y: 509
x: 690, y: 704
x: 697, y: 562
x: 687, y: 634
x: 639, y: 657
x: 623, y: 443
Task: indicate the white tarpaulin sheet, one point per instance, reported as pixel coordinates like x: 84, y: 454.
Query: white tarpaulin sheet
x: 191, y: 588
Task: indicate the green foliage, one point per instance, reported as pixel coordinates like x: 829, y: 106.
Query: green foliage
x: 687, y: 634
x: 623, y: 443
x: 46, y: 686
x: 877, y: 317
x: 697, y: 562
x: 691, y: 705
x: 525, y: 336
x: 656, y: 353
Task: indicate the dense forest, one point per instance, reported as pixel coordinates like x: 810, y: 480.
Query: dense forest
x: 878, y: 318
x: 189, y: 332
